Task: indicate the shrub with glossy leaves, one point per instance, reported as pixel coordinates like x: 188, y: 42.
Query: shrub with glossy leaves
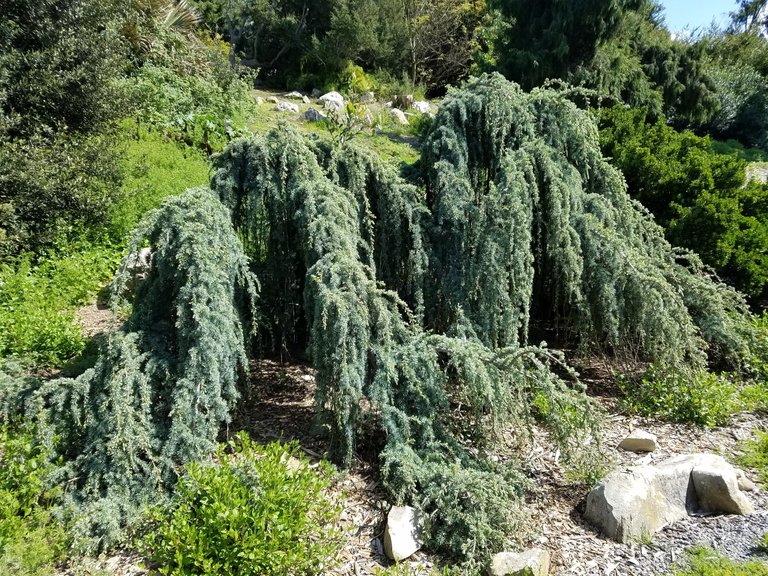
x: 247, y: 510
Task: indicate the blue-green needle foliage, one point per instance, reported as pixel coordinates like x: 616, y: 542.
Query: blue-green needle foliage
x: 414, y: 299
x: 165, y: 382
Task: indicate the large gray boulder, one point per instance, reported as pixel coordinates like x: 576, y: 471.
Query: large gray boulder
x: 402, y: 536
x: 635, y: 503
x: 534, y: 562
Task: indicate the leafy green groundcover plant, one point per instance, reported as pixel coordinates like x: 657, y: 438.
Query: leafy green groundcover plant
x: 249, y: 510
x: 702, y: 561
x: 31, y: 542
x: 680, y: 395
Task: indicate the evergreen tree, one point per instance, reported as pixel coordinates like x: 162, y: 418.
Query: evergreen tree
x: 415, y: 300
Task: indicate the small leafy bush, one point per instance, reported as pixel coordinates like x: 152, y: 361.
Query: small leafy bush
x: 30, y: 541
x: 678, y: 395
x: 702, y: 561
x: 253, y: 510
x: 755, y: 455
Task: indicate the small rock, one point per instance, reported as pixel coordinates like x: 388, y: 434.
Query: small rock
x: 332, y: 100
x: 287, y: 107
x: 398, y: 115
x: 745, y: 483
x: 315, y: 115
x: 421, y: 106
x: 367, y: 98
x: 639, y: 441
x: 306, y: 100
x: 259, y: 100
x: 273, y: 99
x: 534, y: 562
x: 295, y: 95
x: 717, y: 489
x: 402, y: 536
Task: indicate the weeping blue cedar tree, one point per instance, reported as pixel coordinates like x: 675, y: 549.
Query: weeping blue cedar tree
x: 415, y: 301
x: 164, y: 382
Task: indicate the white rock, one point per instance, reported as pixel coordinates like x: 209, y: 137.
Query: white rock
x: 306, y: 100
x: 367, y: 98
x: 398, y: 115
x: 402, y: 536
x: 295, y: 95
x: 315, y: 115
x: 287, y: 107
x: 259, y: 100
x: 639, y: 441
x: 534, y: 562
x: 421, y: 106
x: 717, y: 489
x: 635, y: 503
x: 332, y: 100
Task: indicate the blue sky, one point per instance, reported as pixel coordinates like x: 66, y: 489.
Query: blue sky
x: 696, y: 13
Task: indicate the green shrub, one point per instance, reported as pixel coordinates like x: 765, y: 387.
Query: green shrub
x: 52, y: 186
x: 755, y: 455
x: 702, y: 561
x: 256, y: 510
x: 697, y: 397
x: 154, y: 168
x: 37, y: 302
x: 30, y: 541
x: 697, y: 195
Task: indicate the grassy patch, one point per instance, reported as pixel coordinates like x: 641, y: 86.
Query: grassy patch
x: 702, y: 561
x: 737, y: 149
x: 155, y: 168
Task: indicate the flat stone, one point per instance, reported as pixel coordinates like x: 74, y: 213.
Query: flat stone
x: 639, y: 441
x: 717, y: 489
x: 534, y: 562
x: 402, y: 536
x: 745, y: 483
x: 295, y: 95
x: 287, y: 107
